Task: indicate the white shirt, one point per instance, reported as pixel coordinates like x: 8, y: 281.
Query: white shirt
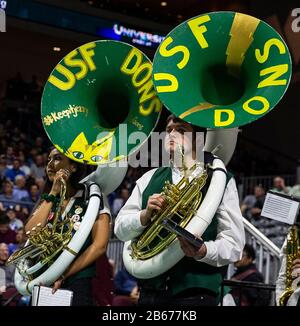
x: 79, y: 193
x: 230, y: 240
x: 281, y: 279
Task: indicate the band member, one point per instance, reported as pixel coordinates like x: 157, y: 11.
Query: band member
x: 287, y: 291
x: 79, y: 274
x: 195, y: 279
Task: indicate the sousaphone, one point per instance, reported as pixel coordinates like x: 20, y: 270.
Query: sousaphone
x: 219, y: 70
x: 96, y: 97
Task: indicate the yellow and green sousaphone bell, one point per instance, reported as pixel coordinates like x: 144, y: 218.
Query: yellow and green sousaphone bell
x: 221, y: 69
x: 91, y: 92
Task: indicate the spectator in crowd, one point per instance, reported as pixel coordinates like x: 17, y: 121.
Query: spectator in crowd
x: 260, y: 195
x: 39, y: 145
x: 31, y: 199
x: 15, y: 135
x: 279, y: 186
x: 247, y: 271
x: 119, y: 202
x: 14, y: 171
x: 8, y: 269
x: 3, y: 166
x: 40, y: 182
x: 14, y: 223
x: 23, y: 166
x: 6, y: 234
x: 20, y: 241
x: 38, y: 167
x: 126, y: 289
x: 8, y: 293
x: 7, y: 197
x: 248, y: 203
x: 295, y: 190
x: 10, y: 155
x: 19, y: 190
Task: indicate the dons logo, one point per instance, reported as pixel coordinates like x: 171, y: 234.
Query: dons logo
x: 206, y: 66
x: 84, y: 64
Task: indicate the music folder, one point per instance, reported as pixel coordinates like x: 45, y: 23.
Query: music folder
x: 178, y: 230
x: 43, y: 296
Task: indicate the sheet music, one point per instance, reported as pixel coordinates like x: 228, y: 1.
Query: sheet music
x: 42, y: 296
x: 280, y: 208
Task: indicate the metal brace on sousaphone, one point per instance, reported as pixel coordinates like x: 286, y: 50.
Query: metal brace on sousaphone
x: 219, y: 70
x: 93, y: 93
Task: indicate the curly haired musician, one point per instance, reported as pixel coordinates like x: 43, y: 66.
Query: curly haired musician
x: 195, y: 279
x: 79, y: 274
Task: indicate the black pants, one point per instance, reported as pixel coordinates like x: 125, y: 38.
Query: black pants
x: 190, y: 297
x: 82, y: 292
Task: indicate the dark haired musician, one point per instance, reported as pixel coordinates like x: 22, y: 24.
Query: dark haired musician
x: 78, y: 275
x: 195, y: 279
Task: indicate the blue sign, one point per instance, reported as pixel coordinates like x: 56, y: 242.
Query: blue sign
x: 3, y: 4
x: 121, y: 33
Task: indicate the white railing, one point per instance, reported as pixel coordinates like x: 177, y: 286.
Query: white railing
x: 114, y: 252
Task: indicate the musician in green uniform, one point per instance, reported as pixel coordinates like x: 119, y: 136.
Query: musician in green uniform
x: 195, y: 279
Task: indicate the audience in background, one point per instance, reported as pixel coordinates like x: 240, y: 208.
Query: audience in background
x: 247, y: 271
x: 7, y: 235
x: 120, y: 201
x: 15, y: 223
x: 295, y: 190
x: 15, y: 170
x: 20, y: 241
x: 7, y: 196
x: 259, y: 193
x: 279, y: 186
x: 126, y: 289
x: 8, y: 293
x: 8, y: 269
x: 247, y: 204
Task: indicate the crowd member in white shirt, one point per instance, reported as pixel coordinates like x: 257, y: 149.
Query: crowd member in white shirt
x: 196, y: 279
